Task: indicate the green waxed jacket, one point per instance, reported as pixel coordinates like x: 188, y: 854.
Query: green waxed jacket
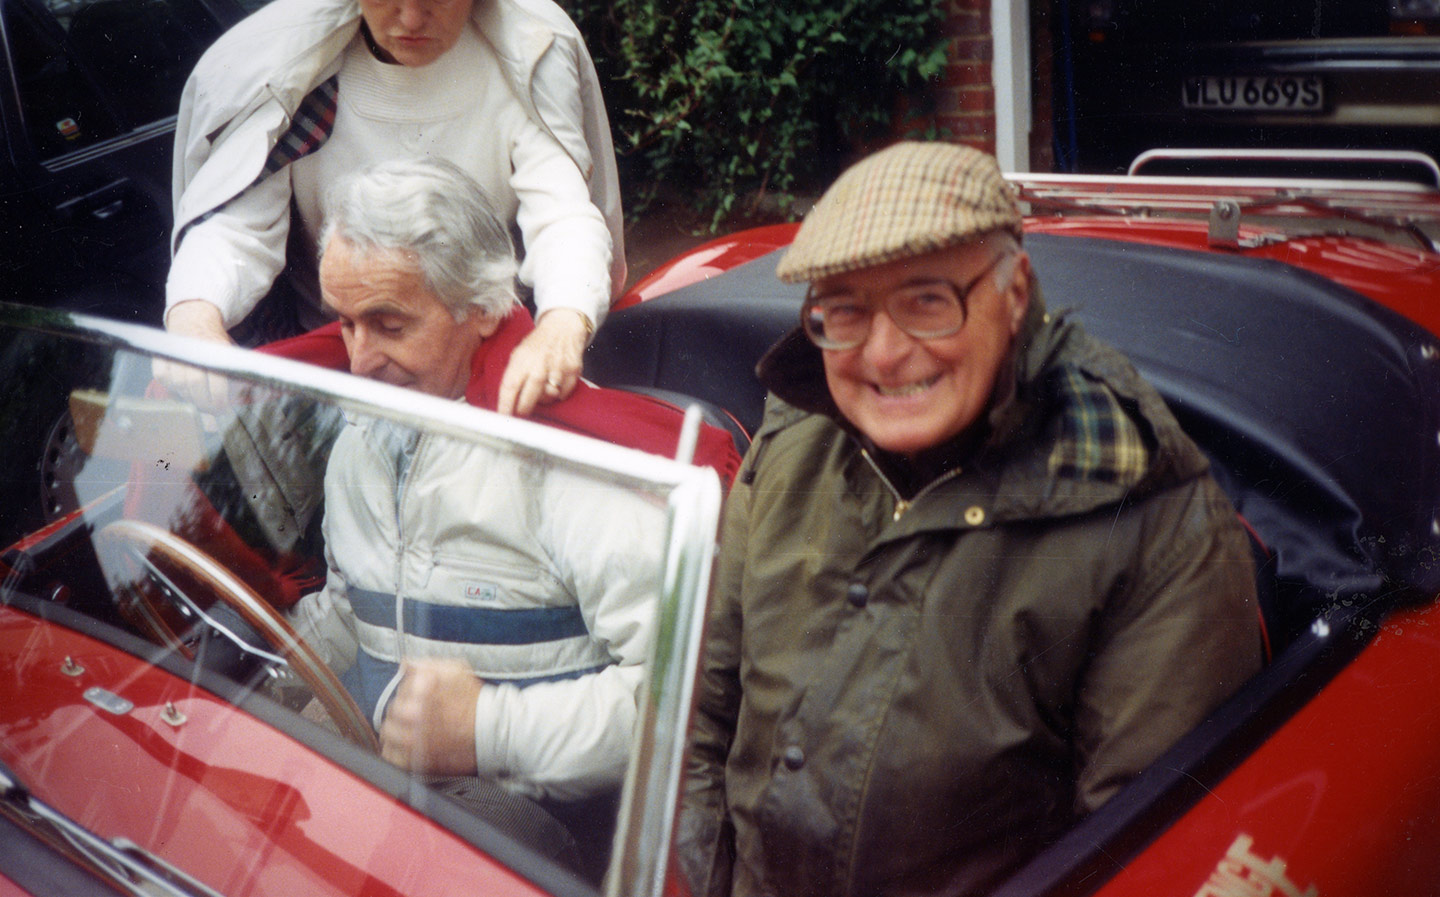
x: 911, y: 690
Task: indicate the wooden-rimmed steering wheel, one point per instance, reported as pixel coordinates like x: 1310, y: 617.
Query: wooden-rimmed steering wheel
x: 169, y: 558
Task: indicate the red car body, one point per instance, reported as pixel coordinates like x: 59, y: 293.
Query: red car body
x: 1318, y: 778
x: 240, y: 811
x: 1336, y: 800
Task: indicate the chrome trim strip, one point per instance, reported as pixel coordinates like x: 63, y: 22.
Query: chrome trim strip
x: 368, y: 397
x: 134, y: 137
x: 1388, y: 157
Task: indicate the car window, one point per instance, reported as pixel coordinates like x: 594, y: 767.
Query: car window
x: 89, y: 69
x: 381, y: 526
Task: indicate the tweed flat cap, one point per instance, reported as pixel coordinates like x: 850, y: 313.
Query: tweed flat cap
x: 906, y: 200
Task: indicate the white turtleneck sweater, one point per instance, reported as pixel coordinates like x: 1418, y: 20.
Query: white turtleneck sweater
x: 458, y: 108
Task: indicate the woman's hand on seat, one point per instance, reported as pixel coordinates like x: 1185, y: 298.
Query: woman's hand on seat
x: 546, y: 365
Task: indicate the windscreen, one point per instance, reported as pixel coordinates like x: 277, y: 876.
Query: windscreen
x: 356, y: 612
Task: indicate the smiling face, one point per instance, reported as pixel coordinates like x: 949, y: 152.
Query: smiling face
x: 416, y: 32
x: 395, y: 329
x: 909, y: 395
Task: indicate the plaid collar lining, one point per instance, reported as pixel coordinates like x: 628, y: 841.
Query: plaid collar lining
x: 1096, y: 439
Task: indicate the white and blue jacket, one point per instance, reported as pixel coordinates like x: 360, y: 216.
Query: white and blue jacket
x: 542, y: 580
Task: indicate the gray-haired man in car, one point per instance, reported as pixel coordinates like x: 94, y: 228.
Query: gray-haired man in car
x: 974, y: 577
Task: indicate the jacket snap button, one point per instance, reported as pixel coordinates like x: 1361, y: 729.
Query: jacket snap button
x: 794, y: 757
x: 974, y: 515
x: 857, y: 594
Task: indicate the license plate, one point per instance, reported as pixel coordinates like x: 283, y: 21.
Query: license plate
x: 1251, y: 93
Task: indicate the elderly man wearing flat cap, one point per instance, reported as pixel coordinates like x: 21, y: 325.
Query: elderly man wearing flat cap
x: 973, y: 576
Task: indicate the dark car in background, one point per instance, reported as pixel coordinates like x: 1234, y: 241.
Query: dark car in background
x: 88, y: 101
x: 1133, y: 75
x: 88, y: 95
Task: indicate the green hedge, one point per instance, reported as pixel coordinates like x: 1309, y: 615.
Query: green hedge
x: 743, y: 104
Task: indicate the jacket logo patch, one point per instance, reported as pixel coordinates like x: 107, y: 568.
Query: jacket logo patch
x: 485, y: 593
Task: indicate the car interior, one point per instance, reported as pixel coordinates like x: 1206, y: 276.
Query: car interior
x: 87, y: 72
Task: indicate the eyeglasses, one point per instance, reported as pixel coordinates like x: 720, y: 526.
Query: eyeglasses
x: 925, y: 310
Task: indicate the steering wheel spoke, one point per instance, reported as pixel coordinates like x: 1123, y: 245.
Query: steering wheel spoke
x: 165, y: 560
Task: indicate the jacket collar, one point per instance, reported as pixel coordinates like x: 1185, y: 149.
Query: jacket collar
x: 273, y: 58
x: 302, y: 39
x: 520, y: 40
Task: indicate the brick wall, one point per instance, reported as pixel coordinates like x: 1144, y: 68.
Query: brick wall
x: 965, y: 96
x: 964, y: 99
x: 962, y: 102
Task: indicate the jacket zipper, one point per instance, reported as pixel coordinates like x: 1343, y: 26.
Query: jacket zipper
x: 402, y: 480
x: 901, y: 505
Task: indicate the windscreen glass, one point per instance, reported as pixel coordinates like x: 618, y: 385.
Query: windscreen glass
x: 268, y: 630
